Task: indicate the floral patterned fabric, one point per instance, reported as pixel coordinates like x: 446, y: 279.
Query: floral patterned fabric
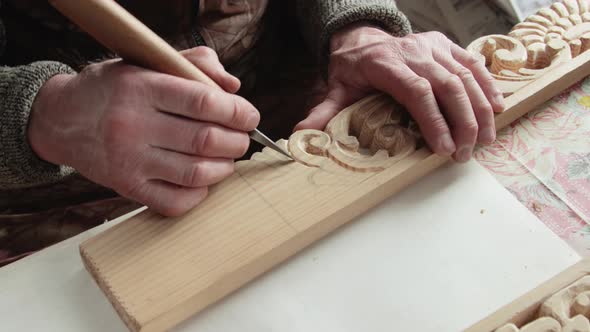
x: 544, y: 160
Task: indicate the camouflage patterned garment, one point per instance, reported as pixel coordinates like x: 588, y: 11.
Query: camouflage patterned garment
x: 31, y: 219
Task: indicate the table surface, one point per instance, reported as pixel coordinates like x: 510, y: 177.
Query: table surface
x: 436, y: 257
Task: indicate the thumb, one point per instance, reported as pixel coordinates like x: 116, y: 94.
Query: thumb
x: 320, y: 115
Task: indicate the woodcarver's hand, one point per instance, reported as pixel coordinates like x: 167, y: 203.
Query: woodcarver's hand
x: 152, y: 137
x: 447, y: 91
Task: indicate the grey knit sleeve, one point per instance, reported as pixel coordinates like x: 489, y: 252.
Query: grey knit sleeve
x: 19, y: 165
x: 320, y: 18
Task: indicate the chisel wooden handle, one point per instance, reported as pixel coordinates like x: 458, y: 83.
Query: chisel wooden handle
x: 122, y: 33
x: 114, y: 27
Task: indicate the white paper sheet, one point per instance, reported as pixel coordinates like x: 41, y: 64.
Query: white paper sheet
x: 437, y: 257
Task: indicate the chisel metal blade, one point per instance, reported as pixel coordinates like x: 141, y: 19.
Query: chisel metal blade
x: 259, y: 137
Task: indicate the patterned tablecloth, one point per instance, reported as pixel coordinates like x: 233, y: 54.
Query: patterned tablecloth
x: 544, y: 160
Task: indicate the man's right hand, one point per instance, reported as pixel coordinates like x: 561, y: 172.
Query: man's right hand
x: 155, y: 138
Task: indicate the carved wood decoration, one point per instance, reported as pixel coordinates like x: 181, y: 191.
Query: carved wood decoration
x: 551, y: 37
x: 562, y: 304
x: 159, y: 271
x: 370, y: 137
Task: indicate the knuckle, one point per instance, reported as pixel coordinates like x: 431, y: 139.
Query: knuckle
x: 453, y: 85
x: 194, y: 175
x: 203, y: 141
x: 474, y: 61
x: 427, y: 64
x: 438, y: 125
x: 484, y: 109
x: 378, y: 52
x: 202, y: 100
x: 409, y: 45
x: 239, y: 117
x: 430, y: 121
x: 465, y: 75
x: 420, y: 88
x: 470, y: 129
x: 204, y: 51
x: 434, y: 126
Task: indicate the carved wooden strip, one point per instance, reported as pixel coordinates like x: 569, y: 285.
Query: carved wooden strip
x: 547, y: 39
x: 538, y: 91
x: 560, y: 304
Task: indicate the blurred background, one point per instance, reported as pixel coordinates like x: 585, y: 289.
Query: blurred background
x: 465, y: 20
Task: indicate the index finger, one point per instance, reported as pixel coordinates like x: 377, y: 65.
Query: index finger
x: 482, y: 76
x: 201, y: 102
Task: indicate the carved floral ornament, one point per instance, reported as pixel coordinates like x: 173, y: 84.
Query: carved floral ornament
x: 552, y: 36
x: 368, y: 137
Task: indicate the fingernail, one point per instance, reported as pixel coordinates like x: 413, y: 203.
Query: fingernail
x: 464, y: 154
x: 488, y: 135
x: 448, y: 145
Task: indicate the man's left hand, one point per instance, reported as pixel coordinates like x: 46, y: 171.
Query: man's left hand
x: 448, y: 92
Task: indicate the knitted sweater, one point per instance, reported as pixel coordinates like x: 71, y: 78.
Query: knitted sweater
x: 24, y: 71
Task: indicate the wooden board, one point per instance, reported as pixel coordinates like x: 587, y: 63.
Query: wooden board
x: 159, y: 271
x: 551, y: 37
x: 560, y: 304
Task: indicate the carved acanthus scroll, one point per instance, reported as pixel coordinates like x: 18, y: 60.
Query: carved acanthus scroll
x: 565, y: 311
x: 543, y: 41
x: 369, y: 137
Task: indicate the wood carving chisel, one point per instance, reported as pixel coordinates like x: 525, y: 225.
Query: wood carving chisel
x: 115, y: 28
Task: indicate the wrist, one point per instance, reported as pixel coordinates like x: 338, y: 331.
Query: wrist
x: 42, y: 132
x: 351, y: 34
